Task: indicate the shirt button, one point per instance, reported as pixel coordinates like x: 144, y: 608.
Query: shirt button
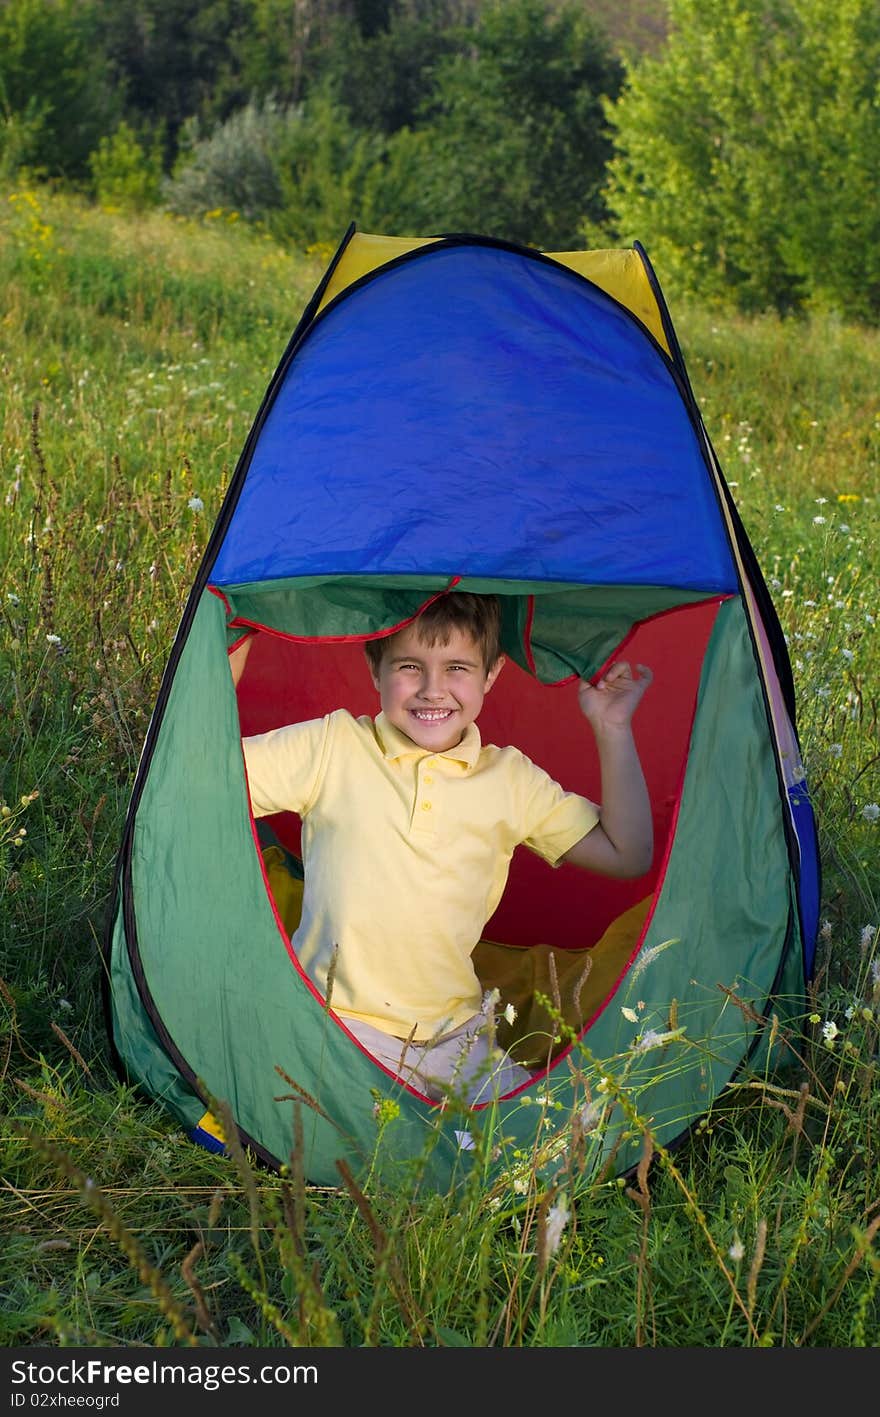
x: 427, y: 779
x: 426, y: 806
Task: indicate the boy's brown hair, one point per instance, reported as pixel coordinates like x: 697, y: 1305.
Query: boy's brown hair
x: 478, y: 616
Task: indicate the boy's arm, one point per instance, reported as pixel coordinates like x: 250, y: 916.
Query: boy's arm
x: 238, y: 657
x: 622, y: 842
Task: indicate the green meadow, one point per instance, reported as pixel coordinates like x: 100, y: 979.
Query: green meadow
x: 134, y: 355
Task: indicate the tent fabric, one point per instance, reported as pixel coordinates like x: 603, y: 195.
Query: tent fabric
x: 464, y: 413
x: 530, y: 384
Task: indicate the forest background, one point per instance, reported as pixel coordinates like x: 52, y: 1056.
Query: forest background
x: 742, y: 135
x: 173, y: 178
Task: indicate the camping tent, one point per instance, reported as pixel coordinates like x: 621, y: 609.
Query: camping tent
x: 464, y: 412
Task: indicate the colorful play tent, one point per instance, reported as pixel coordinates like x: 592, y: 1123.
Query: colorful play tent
x: 464, y: 412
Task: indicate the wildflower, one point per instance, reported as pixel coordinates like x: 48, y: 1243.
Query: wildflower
x: 825, y: 931
x: 12, y: 598
x: 835, y: 749
x: 779, y: 507
x: 844, y: 528
x: 871, y: 811
x: 509, y: 1013
x: 820, y: 501
x: 53, y: 639
x: 848, y: 655
x: 814, y: 1018
x: 647, y: 956
x: 630, y: 1014
x: 737, y: 1250
x: 196, y: 504
x: 819, y: 521
x: 557, y: 1219
x: 829, y: 1030
x: 867, y: 935
x: 591, y: 1115
x: 849, y: 1012
x: 848, y: 497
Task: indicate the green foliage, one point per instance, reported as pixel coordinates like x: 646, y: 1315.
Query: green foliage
x: 300, y: 170
x: 515, y: 127
x: 55, y: 98
x: 746, y: 155
x: 418, y: 127
x: 382, y: 77
x: 175, y: 59
x: 235, y: 167
x: 126, y: 174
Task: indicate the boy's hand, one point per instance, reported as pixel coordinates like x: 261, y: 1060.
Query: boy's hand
x: 613, y: 700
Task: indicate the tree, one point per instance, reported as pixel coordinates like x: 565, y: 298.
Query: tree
x: 515, y: 129
x: 55, y: 100
x: 746, y: 155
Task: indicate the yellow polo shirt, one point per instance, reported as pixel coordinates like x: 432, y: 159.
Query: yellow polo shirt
x: 406, y: 855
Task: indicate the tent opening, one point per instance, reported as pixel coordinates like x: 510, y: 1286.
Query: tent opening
x: 563, y: 934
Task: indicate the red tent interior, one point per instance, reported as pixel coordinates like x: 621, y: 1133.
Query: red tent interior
x: 287, y: 681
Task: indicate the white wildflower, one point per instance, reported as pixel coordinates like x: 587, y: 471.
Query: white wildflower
x: 591, y: 1115
x: 835, y: 749
x: 630, y: 1014
x: 12, y: 598
x: 829, y: 1030
x: 53, y: 639
x: 737, y: 1250
x: 647, y: 956
x: 196, y: 504
x: 848, y: 654
x: 557, y: 1219
x: 509, y: 1013
x: 867, y: 935
x: 819, y: 521
x: 871, y: 811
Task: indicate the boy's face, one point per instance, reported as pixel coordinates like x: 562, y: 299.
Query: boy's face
x: 432, y: 693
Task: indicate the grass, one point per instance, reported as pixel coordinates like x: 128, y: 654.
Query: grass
x: 135, y: 354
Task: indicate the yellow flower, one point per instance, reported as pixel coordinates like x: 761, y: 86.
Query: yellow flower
x: 848, y: 497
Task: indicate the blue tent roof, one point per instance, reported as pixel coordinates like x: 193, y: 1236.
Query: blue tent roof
x: 475, y: 411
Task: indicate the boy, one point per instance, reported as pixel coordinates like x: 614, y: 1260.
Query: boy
x: 409, y: 824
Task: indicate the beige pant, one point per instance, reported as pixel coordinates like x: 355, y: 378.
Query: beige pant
x: 465, y: 1061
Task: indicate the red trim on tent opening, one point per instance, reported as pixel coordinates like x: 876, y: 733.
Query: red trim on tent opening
x: 237, y: 620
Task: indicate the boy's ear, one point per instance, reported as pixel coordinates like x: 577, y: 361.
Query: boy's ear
x: 494, y: 672
x: 373, y: 674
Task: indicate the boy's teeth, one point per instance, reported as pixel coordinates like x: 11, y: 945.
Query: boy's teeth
x: 440, y: 713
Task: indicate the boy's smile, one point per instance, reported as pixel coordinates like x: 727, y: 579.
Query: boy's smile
x: 433, y: 692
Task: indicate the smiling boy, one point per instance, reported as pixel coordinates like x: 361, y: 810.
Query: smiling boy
x: 409, y: 825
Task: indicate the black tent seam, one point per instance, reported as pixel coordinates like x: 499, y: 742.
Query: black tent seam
x: 767, y: 610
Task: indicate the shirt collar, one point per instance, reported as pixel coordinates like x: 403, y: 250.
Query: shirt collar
x: 395, y: 744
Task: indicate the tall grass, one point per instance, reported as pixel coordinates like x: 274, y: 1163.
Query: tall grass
x: 134, y: 355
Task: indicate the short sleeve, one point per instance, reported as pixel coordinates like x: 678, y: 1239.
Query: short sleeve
x: 284, y: 766
x: 553, y: 818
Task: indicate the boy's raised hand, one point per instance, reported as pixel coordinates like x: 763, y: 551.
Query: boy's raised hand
x: 613, y: 699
